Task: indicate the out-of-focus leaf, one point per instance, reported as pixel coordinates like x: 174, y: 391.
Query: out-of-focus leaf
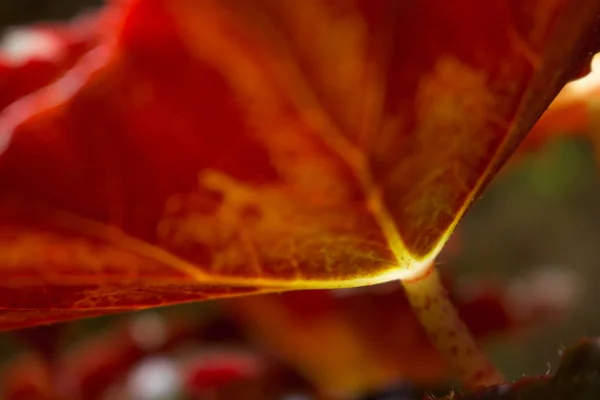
x: 206, y: 149
x: 28, y: 376
x: 86, y: 369
x: 212, y: 371
x: 126, y: 355
x: 231, y: 374
x: 573, y: 113
x: 33, y: 57
x: 356, y: 340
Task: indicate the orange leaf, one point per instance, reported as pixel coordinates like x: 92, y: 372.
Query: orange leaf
x: 204, y: 149
x: 573, y: 112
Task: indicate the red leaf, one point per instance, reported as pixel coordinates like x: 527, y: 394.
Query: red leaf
x: 573, y: 112
x: 204, y: 149
x: 34, y: 57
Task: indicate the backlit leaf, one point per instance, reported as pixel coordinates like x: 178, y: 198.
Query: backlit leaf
x: 205, y: 148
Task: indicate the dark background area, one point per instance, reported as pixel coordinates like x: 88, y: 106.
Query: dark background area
x: 22, y: 11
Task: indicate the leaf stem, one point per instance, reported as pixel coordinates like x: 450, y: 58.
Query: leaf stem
x: 429, y: 300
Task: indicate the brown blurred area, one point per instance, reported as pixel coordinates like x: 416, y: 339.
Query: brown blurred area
x: 14, y: 12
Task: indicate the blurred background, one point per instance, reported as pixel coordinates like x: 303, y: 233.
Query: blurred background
x: 534, y: 233
x: 540, y: 219
x: 14, y: 12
